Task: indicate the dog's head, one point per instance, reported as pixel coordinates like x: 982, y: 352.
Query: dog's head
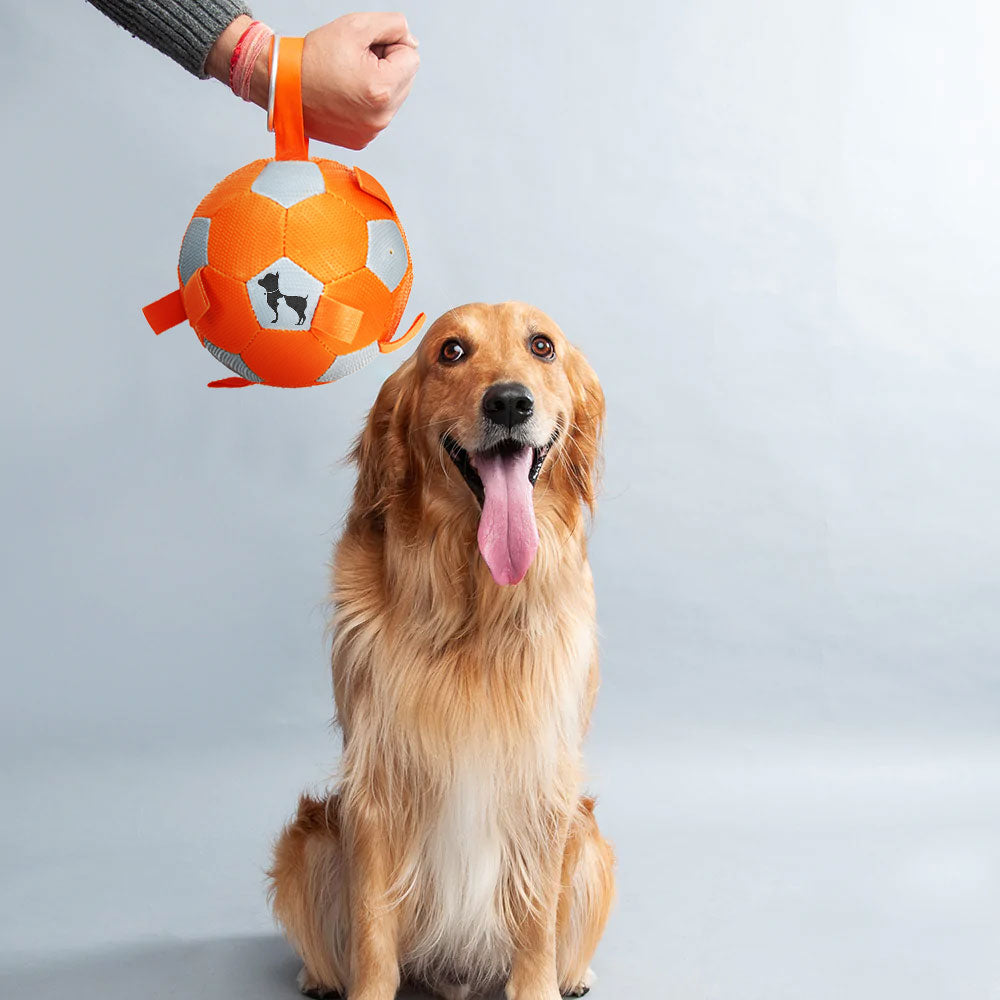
x: 496, y: 416
x: 269, y: 282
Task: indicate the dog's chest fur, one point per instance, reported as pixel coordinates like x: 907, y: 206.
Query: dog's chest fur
x: 482, y: 845
x: 461, y: 864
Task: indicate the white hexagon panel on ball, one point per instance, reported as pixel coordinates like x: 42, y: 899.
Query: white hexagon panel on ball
x: 386, y: 252
x: 284, y: 296
x: 289, y: 181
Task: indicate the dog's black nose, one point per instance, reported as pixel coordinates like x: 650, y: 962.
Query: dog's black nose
x: 508, y: 403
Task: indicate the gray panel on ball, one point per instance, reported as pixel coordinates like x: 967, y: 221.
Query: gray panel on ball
x: 386, y: 252
x: 289, y: 181
x: 348, y: 364
x: 194, y: 248
x: 233, y: 362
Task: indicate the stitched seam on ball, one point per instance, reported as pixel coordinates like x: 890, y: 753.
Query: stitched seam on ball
x: 325, y: 348
x: 344, y: 277
x: 246, y: 292
x: 284, y: 253
x: 354, y: 208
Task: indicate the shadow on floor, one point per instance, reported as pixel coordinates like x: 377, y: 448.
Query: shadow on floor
x: 248, y: 968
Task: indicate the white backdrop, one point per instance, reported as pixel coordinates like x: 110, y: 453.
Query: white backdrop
x: 773, y: 230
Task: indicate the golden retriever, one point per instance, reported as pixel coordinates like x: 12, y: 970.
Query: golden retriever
x: 458, y: 852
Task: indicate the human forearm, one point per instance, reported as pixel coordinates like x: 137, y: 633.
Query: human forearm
x: 185, y: 30
x: 217, y: 63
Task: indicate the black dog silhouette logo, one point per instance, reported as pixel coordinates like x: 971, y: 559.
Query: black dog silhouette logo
x: 274, y: 295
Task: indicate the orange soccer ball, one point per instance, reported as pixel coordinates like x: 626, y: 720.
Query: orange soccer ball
x: 294, y: 272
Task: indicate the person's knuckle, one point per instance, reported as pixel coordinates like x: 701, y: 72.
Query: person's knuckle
x: 379, y: 96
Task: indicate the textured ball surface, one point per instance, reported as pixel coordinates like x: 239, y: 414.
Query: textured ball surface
x: 300, y: 267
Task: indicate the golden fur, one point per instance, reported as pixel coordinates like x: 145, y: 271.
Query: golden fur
x: 458, y: 851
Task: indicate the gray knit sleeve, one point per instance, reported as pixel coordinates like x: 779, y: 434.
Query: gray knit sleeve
x: 185, y: 30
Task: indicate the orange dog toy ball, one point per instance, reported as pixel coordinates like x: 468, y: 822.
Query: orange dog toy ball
x: 293, y: 271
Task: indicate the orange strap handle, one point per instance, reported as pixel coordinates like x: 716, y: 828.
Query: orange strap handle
x: 290, y: 142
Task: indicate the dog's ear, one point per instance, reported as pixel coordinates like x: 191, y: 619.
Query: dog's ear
x: 382, y: 451
x: 581, y: 458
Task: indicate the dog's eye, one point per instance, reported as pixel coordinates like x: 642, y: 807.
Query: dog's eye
x: 542, y: 347
x: 452, y: 351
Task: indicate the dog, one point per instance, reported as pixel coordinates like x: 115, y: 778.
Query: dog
x: 458, y: 852
x: 297, y: 302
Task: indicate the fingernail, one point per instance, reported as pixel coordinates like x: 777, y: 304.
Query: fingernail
x: 412, y: 40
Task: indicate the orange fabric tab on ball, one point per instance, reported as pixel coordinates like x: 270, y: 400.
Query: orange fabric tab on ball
x: 230, y: 383
x: 369, y: 185
x: 392, y: 345
x: 166, y: 312
x: 195, y: 297
x: 336, y: 324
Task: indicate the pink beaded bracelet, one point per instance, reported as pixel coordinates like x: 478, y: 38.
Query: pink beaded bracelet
x: 244, y: 57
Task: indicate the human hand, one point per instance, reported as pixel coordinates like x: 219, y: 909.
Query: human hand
x: 356, y: 72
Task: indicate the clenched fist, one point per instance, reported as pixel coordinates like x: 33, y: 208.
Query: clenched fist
x: 356, y: 72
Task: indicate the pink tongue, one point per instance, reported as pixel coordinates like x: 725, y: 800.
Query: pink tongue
x: 508, y: 535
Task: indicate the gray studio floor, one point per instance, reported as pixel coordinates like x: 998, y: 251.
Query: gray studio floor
x: 749, y: 867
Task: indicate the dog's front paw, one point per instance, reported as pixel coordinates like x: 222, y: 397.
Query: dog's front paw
x: 528, y: 993
x: 581, y: 988
x: 308, y: 987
